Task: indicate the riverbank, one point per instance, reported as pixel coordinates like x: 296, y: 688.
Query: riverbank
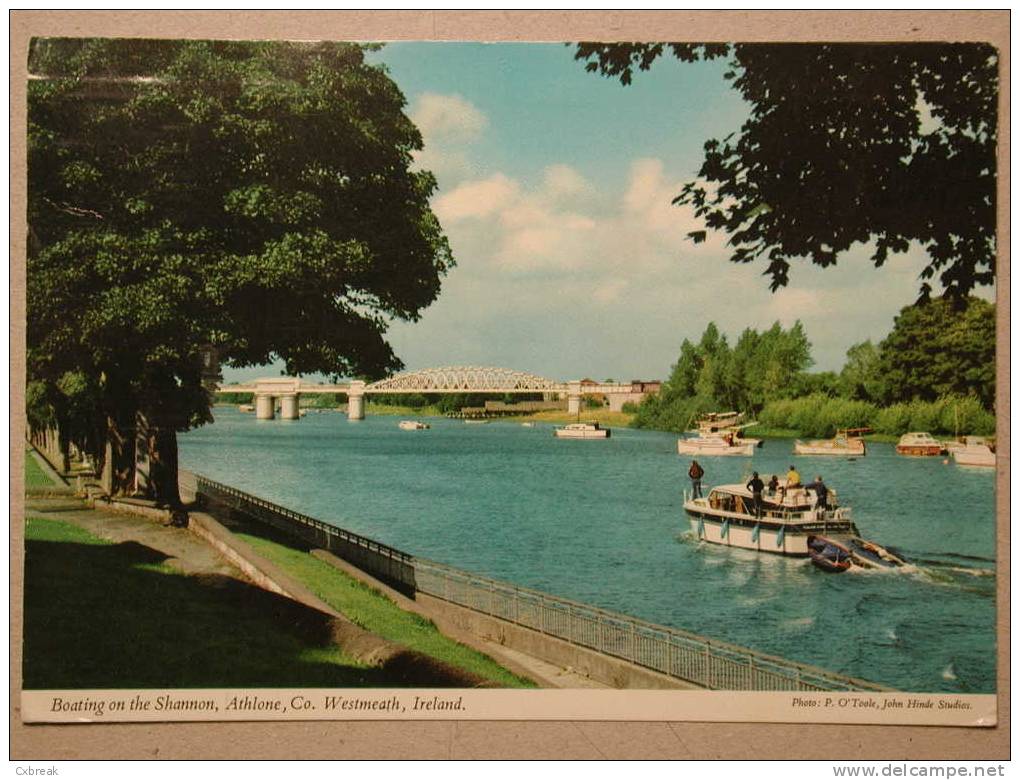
x: 159, y: 607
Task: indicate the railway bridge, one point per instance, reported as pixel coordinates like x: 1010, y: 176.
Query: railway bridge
x: 449, y: 379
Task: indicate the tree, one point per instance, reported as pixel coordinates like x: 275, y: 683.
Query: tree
x: 194, y: 198
x: 860, y: 379
x: 936, y: 350
x: 835, y: 153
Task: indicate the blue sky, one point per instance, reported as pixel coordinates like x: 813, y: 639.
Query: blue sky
x: 554, y: 190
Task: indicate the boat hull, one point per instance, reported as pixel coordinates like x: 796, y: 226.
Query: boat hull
x: 811, y: 448
x: 919, y: 451
x: 971, y: 457
x: 602, y: 433
x: 694, y: 447
x: 776, y: 538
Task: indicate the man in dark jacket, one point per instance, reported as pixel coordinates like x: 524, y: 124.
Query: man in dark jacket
x: 695, y: 472
x: 823, y: 492
x: 756, y: 486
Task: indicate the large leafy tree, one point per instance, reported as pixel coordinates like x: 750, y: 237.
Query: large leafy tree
x: 938, y: 349
x: 250, y: 200
x: 837, y: 151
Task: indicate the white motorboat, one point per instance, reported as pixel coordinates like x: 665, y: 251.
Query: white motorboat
x: 412, y: 425
x: 727, y: 516
x: 845, y: 442
x: 588, y: 430
x: 921, y: 444
x: 974, y: 452
x: 715, y: 444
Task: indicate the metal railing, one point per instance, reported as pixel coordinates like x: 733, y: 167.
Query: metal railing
x: 705, y: 662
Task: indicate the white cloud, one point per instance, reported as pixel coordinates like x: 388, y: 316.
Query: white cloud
x: 448, y: 118
x: 476, y: 199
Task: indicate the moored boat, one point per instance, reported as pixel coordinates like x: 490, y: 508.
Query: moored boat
x: 789, y: 516
x: 247, y: 408
x: 412, y: 425
x: 974, y: 452
x: 588, y: 430
x: 920, y: 443
x: 715, y: 444
x: 845, y: 442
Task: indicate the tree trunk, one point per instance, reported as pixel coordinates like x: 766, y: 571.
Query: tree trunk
x: 119, y: 471
x: 163, y: 467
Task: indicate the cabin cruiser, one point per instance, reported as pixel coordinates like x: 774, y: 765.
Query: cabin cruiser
x: 845, y: 442
x: 974, y: 452
x: 588, y: 430
x: 717, y: 444
x: 791, y: 523
x: 719, y: 434
x: 789, y: 516
x: 919, y: 443
x: 412, y: 425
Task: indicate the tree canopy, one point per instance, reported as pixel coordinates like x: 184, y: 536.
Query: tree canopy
x: 838, y: 151
x: 251, y: 198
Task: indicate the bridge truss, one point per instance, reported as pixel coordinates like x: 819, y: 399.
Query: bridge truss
x: 467, y: 379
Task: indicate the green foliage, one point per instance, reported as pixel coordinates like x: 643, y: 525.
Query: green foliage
x: 940, y: 348
x: 822, y: 416
x: 255, y: 197
x: 861, y: 378
x: 328, y: 400
x: 235, y: 398
x: 835, y: 152
x: 711, y: 376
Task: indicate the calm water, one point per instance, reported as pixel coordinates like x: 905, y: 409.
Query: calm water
x: 602, y: 522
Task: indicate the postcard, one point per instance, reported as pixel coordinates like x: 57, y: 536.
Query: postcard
x: 425, y: 374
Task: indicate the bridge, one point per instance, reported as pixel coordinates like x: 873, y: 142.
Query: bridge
x: 449, y: 379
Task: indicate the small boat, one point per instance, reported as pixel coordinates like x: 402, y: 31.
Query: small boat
x: 921, y: 444
x: 716, y: 444
x: 789, y: 517
x: 412, y: 425
x: 719, y: 422
x: 476, y: 422
x: 837, y: 554
x: 527, y: 425
x: 246, y: 408
x: 974, y: 452
x: 588, y: 430
x: 845, y: 442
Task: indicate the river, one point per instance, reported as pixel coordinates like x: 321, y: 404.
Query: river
x: 602, y: 522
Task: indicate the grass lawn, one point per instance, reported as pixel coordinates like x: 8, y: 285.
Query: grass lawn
x: 373, y: 611
x: 35, y: 477
x: 603, y: 416
x: 105, y: 615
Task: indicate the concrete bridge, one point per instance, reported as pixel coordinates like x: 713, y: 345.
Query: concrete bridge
x: 450, y: 379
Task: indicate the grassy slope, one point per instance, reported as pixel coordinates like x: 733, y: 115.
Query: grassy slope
x: 35, y: 477
x: 376, y: 613
x: 104, y: 615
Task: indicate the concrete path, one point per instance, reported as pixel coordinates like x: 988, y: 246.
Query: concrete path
x: 185, y: 552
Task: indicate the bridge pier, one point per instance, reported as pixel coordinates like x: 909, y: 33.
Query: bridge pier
x: 289, y: 407
x: 356, y: 400
x: 573, y: 397
x: 265, y: 407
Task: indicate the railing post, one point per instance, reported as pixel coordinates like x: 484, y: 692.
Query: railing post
x: 633, y: 641
x: 708, y: 667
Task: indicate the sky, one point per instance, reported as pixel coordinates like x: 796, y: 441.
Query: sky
x: 555, y: 190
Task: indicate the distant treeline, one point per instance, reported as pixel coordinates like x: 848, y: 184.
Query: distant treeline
x: 935, y: 371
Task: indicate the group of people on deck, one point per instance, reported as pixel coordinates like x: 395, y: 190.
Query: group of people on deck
x: 757, y: 487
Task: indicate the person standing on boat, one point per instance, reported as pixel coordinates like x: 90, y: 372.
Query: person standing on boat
x: 695, y: 472
x: 822, y: 491
x: 773, y: 485
x: 792, y: 478
x: 756, y: 486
